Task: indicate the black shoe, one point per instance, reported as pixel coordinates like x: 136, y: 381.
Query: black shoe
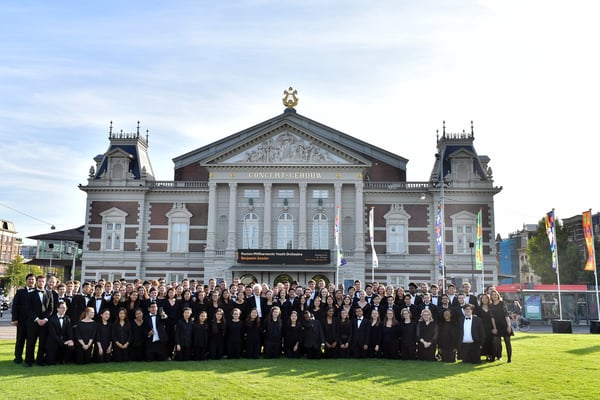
x: 27, y: 365
x: 16, y: 361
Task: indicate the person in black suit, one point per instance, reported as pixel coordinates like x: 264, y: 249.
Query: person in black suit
x: 97, y: 302
x: 451, y: 291
x: 41, y: 306
x: 156, y: 334
x: 469, y: 297
x: 19, y: 315
x: 472, y: 336
x: 427, y: 305
x: 361, y: 328
x: 258, y: 302
x: 291, y: 304
x: 60, y: 337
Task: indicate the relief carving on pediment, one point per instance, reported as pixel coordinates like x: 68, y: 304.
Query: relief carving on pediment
x: 285, y: 148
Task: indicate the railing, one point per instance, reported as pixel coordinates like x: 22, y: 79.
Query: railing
x: 179, y: 184
x: 397, y: 185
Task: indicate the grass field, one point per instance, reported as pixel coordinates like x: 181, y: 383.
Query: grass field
x: 544, y: 366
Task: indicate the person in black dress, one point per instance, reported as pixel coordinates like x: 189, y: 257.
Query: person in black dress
x: 252, y: 334
x: 484, y: 312
x: 502, y: 327
x: 313, y: 339
x: 216, y: 335
x: 390, y: 335
x: 171, y: 307
x: 408, y: 336
x: 121, y: 336
x: 138, y: 336
x: 85, y: 334
x: 183, y: 336
x: 345, y: 333
x: 272, y: 333
x: 427, y: 336
x: 292, y: 336
x: 330, y: 329
x: 235, y: 332
x: 448, y: 337
x: 103, y: 348
x: 376, y: 335
x: 200, y: 336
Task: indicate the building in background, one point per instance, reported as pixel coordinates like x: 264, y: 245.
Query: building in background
x: 59, y: 253
x: 514, y: 264
x: 10, y: 244
x: 262, y: 204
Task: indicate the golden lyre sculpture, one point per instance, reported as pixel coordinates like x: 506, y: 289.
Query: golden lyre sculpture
x: 290, y: 98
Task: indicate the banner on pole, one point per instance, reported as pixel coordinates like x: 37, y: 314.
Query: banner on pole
x: 372, y: 236
x: 590, y: 263
x: 551, y: 233
x: 479, y: 244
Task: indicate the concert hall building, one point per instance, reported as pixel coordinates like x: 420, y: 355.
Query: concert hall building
x: 264, y: 204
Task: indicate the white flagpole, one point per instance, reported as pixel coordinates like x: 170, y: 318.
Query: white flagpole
x: 374, y: 261
x: 337, y: 247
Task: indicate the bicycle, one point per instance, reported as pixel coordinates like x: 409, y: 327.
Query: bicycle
x: 522, y: 325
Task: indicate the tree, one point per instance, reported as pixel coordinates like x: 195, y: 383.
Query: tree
x: 17, y: 271
x: 570, y: 260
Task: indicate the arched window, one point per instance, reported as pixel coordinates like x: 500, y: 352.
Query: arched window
x: 113, y: 229
x: 285, y: 231
x: 179, y: 228
x: 250, y: 231
x: 320, y: 231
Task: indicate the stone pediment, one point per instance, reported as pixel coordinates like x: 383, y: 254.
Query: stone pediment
x: 286, y: 146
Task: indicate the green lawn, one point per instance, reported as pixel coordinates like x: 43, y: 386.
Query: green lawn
x: 544, y: 366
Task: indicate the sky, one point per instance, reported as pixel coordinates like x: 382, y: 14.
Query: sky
x: 527, y: 73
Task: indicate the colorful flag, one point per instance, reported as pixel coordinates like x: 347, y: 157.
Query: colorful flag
x: 590, y: 264
x: 340, y: 256
x: 479, y: 244
x: 439, y: 238
x: 372, y: 236
x: 551, y: 233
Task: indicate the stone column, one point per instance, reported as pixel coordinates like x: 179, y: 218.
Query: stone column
x: 231, y: 235
x: 211, y: 229
x: 302, y: 216
x: 268, y: 209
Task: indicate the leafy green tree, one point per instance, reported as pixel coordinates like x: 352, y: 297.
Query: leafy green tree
x: 16, y: 272
x: 570, y: 259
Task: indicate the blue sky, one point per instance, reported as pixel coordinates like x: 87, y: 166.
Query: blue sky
x: 387, y: 72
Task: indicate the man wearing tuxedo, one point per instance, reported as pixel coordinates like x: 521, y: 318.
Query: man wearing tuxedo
x: 427, y: 305
x: 19, y: 315
x: 156, y: 334
x: 291, y: 304
x: 41, y: 306
x: 472, y: 335
x: 60, y: 343
x: 361, y: 329
x: 258, y: 302
x: 452, y: 295
x: 469, y: 297
x: 435, y: 296
x: 97, y: 302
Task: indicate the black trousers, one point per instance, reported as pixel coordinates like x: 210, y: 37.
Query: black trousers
x: 36, y: 333
x: 20, y: 341
x: 470, y: 352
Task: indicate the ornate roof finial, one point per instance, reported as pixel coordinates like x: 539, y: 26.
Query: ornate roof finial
x: 472, y: 130
x: 444, y: 128
x: 290, y: 98
x: 110, y: 130
x: 147, y: 136
x: 138, y: 129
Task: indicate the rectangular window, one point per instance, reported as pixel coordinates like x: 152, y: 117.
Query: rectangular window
x: 286, y: 193
x: 114, y: 234
x: 464, y: 235
x: 320, y: 194
x: 251, y: 193
x: 179, y: 237
x: 396, y: 238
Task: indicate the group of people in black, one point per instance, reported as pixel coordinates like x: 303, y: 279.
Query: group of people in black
x: 155, y: 321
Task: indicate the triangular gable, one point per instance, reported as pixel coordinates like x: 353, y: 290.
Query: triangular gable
x: 343, y: 145
x: 286, y: 144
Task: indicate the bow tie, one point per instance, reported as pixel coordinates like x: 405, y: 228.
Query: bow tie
x: 468, y: 318
x: 360, y: 319
x: 61, y: 318
x: 40, y: 290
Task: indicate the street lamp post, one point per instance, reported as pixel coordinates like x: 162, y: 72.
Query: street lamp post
x: 471, y: 246
x: 51, y: 247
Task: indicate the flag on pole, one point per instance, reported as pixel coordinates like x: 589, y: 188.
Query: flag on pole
x: 340, y: 256
x: 438, y: 238
x: 479, y: 244
x: 372, y: 236
x: 590, y: 264
x: 551, y: 233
